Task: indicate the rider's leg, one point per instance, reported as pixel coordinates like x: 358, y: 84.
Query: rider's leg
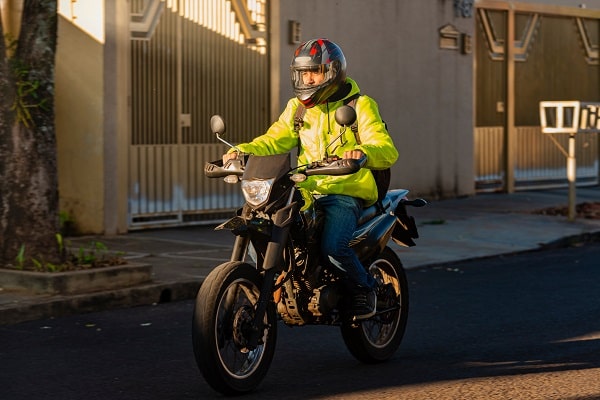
x: 341, y: 217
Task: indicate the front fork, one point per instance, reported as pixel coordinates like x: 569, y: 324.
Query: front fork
x: 272, y: 264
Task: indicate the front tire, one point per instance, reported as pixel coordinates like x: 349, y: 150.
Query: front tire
x: 376, y: 339
x: 221, y: 324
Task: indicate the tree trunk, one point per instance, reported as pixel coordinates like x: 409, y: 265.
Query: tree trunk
x: 28, y: 172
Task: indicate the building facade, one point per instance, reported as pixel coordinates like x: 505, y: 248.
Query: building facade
x: 135, y: 90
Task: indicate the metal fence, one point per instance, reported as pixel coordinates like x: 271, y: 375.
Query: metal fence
x: 538, y: 162
x: 191, y: 59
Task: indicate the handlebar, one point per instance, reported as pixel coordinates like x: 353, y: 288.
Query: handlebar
x: 346, y: 166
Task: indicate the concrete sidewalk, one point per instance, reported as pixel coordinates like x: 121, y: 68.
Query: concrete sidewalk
x: 450, y: 230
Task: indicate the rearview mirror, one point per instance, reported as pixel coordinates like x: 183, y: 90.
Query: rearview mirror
x: 217, y: 125
x: 345, y: 115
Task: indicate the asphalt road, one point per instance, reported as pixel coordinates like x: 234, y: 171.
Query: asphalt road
x: 518, y: 327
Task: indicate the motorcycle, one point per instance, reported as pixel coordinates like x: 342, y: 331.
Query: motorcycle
x: 276, y: 272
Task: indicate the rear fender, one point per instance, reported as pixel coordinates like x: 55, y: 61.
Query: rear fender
x: 405, y: 231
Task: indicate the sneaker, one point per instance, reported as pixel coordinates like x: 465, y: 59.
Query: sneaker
x: 363, y: 304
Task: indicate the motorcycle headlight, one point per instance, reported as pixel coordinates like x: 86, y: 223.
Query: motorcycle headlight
x: 256, y: 191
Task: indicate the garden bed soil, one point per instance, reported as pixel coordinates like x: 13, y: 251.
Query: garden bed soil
x: 587, y: 210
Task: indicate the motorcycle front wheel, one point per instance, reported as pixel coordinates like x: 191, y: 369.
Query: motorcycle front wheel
x: 376, y: 339
x: 222, y: 324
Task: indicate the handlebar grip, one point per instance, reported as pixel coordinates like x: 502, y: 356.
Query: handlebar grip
x: 211, y: 170
x: 416, y: 202
x: 215, y: 169
x: 344, y: 166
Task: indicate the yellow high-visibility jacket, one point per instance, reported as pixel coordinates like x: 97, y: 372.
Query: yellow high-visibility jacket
x: 315, y: 138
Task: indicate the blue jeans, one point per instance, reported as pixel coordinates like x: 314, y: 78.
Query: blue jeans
x: 341, y: 217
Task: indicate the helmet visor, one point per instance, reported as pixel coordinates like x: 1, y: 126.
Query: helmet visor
x: 312, y: 76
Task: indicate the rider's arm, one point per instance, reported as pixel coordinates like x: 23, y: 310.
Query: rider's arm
x: 376, y: 142
x: 279, y: 138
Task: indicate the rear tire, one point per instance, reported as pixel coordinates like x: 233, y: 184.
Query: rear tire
x: 376, y: 339
x: 224, y: 308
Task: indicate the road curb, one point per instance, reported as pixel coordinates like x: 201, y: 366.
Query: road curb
x: 61, y: 306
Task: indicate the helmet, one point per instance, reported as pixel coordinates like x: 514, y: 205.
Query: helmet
x: 323, y: 56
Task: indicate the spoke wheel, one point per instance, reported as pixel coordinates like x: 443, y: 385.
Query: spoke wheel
x: 222, y: 325
x: 377, y: 338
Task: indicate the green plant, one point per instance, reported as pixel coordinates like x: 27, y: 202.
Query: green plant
x: 66, y: 223
x: 96, y: 252
x: 94, y: 255
x: 37, y: 265
x: 42, y: 266
x: 54, y: 268
x: 20, y: 259
x: 27, y: 90
x: 60, y: 242
x: 11, y: 43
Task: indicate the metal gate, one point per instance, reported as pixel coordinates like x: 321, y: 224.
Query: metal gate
x: 191, y: 59
x: 555, y: 58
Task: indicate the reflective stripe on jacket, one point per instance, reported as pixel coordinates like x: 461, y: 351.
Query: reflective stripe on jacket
x: 317, y: 141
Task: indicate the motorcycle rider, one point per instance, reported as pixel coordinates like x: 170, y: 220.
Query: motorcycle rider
x: 318, y: 72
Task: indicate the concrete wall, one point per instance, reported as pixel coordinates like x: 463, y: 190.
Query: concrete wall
x: 79, y: 126
x: 92, y: 114
x: 116, y: 115
x: 425, y: 93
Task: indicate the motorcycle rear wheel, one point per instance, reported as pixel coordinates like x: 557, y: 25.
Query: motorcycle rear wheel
x: 376, y: 339
x: 223, y: 312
